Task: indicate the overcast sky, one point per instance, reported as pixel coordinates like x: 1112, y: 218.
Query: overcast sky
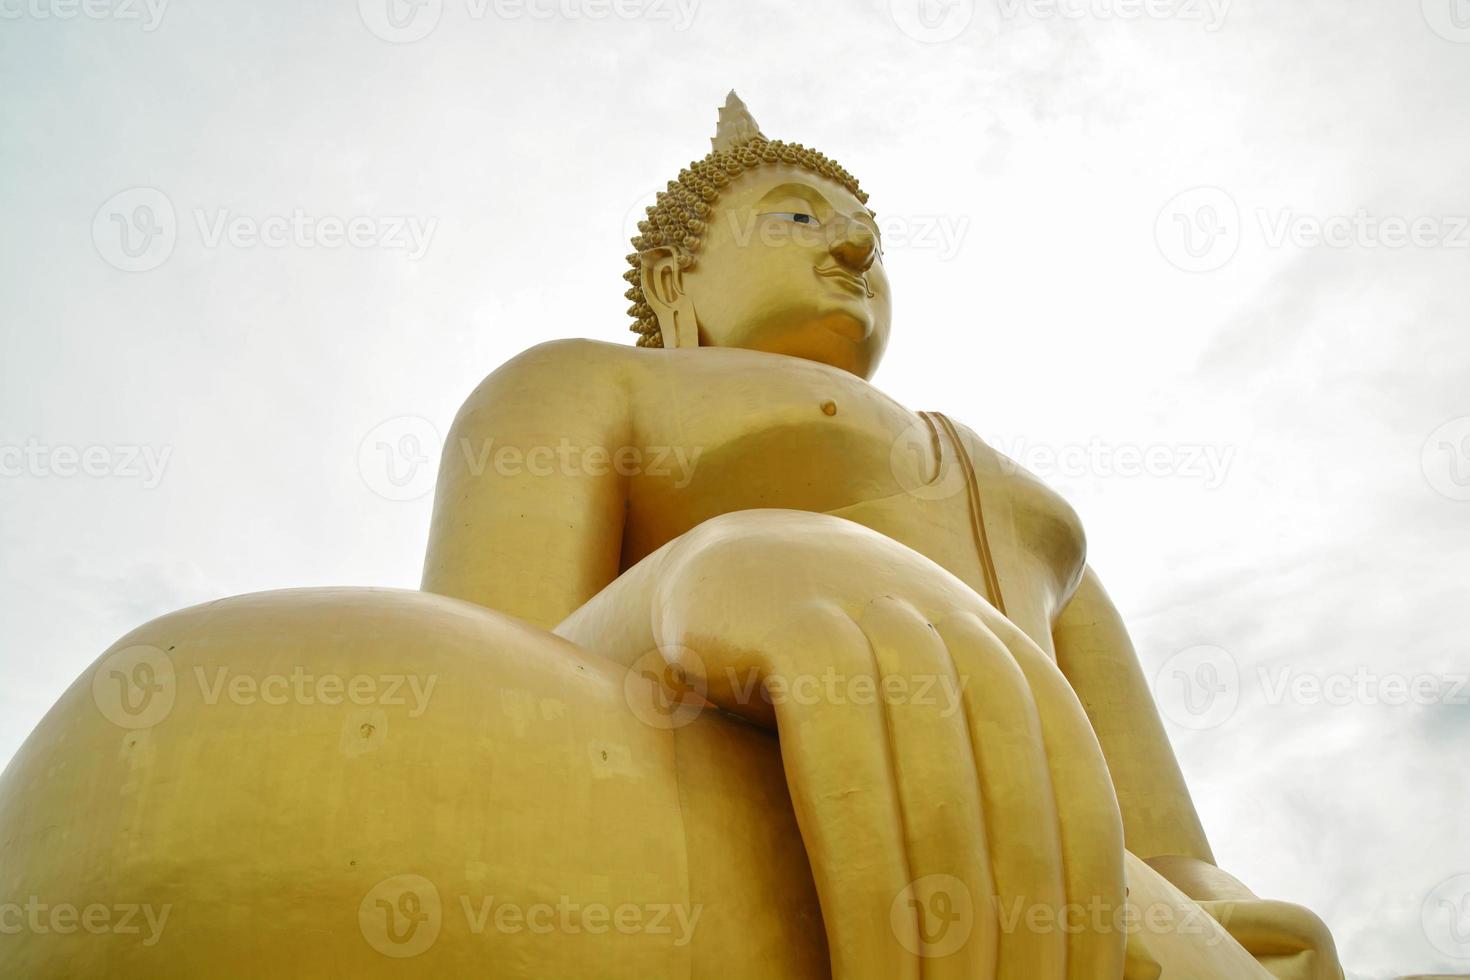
x: 1228, y: 240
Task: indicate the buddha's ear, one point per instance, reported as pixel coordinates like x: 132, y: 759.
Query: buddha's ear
x: 663, y: 288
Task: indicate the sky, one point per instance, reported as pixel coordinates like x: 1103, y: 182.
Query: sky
x: 1203, y: 266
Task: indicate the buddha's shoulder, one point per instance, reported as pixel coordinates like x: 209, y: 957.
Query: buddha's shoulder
x: 570, y: 372
x: 575, y: 354
x: 580, y: 360
x: 578, y: 363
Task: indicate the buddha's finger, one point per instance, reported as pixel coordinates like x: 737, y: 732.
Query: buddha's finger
x: 1017, y: 800
x: 843, y: 789
x: 943, y: 915
x: 1087, y: 808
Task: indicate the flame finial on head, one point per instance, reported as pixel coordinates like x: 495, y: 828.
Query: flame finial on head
x: 736, y: 124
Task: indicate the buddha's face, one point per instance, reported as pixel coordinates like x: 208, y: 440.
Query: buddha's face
x: 792, y: 264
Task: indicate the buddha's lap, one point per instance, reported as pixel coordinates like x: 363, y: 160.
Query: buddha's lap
x: 315, y: 744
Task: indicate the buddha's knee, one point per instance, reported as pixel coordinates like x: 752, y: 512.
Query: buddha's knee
x: 233, y: 769
x: 325, y: 674
x: 236, y: 669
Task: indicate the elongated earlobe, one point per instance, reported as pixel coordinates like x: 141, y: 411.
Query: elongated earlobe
x: 663, y: 290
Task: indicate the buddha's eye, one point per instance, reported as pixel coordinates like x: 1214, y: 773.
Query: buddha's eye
x: 796, y: 217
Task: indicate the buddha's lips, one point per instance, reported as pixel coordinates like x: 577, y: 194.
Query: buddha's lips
x: 856, y: 283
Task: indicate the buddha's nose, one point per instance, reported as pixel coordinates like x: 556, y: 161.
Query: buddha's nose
x: 854, y: 245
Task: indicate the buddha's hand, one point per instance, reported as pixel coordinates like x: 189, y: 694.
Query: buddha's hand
x: 955, y: 805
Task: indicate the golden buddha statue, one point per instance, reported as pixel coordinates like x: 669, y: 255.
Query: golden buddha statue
x: 842, y: 699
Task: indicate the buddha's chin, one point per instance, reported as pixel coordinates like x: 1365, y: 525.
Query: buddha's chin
x: 840, y: 341
x: 850, y: 328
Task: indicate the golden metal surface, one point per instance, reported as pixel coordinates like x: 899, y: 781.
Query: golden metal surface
x: 725, y: 664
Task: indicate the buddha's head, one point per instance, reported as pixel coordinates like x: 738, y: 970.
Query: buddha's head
x: 766, y: 246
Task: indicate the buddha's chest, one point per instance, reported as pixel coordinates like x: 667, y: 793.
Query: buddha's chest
x: 805, y: 437
x: 790, y: 435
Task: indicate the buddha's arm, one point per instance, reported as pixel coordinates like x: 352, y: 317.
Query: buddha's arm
x: 1160, y: 824
x: 528, y: 517
x: 1097, y: 657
